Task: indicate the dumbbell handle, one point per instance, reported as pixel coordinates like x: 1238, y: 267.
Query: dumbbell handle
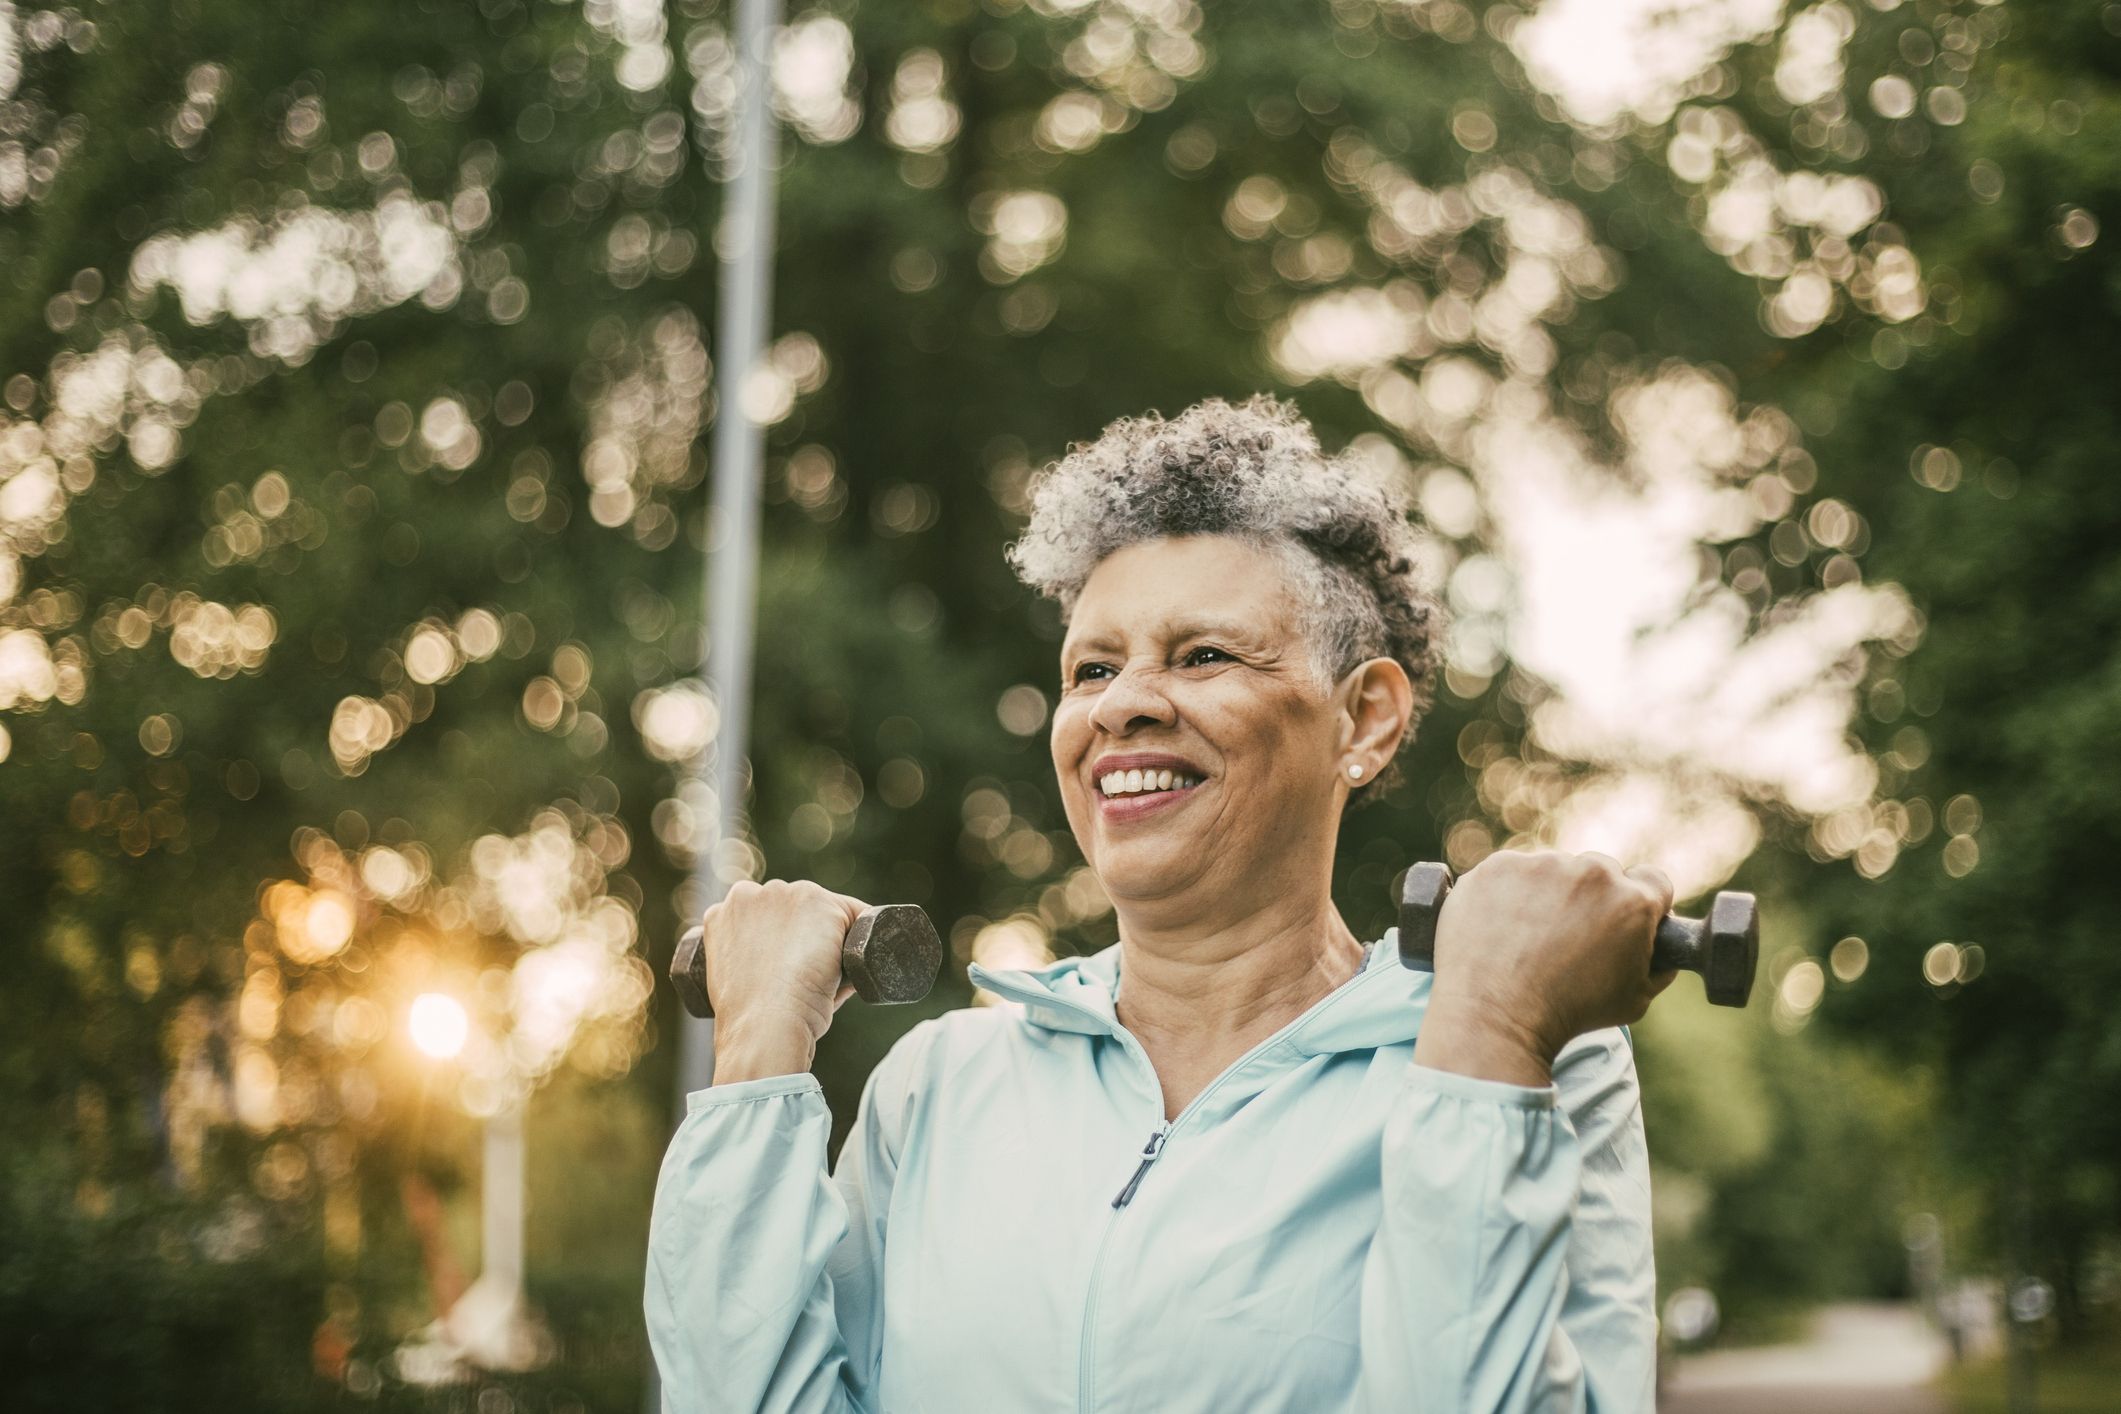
x: 1724, y: 947
x: 891, y: 954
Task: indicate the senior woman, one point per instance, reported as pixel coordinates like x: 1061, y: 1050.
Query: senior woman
x: 1238, y: 1160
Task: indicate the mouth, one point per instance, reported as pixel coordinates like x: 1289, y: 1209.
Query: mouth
x: 1133, y: 787
x: 1115, y: 784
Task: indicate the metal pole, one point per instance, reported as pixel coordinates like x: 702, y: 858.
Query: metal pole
x: 746, y: 244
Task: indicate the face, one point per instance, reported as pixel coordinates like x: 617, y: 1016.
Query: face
x: 1184, y: 659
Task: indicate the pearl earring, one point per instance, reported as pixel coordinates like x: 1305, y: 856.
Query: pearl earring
x: 1355, y: 773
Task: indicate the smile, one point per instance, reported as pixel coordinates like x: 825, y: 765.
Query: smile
x: 1119, y: 783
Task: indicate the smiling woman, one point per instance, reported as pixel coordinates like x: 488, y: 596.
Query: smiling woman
x: 1238, y: 1159
x: 1339, y: 543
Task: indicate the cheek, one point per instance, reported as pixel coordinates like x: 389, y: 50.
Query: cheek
x: 1275, y: 728
x: 1067, y: 743
x: 1071, y: 730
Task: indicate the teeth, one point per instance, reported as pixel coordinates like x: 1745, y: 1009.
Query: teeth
x: 1143, y: 782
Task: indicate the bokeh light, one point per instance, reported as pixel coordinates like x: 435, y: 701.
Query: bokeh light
x: 438, y: 1025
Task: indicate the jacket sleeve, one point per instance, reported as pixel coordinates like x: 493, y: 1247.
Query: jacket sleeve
x: 764, y: 1291
x: 1512, y: 1270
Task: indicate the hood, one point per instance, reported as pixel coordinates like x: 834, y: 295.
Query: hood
x: 1381, y: 1005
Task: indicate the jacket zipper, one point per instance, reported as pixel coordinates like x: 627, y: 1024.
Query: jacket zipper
x: 1150, y: 1151
x: 1082, y: 1363
x: 1156, y: 1141
x: 1154, y: 1147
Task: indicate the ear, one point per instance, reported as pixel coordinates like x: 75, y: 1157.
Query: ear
x: 1376, y: 704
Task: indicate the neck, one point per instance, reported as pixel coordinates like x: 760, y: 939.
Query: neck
x: 1210, y: 990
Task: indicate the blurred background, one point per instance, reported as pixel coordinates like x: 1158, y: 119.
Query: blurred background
x: 1753, y: 367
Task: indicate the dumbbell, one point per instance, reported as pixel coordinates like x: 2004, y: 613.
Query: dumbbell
x: 1723, y: 947
x: 890, y: 955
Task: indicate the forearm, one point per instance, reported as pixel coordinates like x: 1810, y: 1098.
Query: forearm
x: 741, y: 1314
x: 1512, y: 1268
x: 1465, y: 1285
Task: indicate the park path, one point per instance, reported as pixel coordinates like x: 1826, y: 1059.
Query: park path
x: 1857, y: 1359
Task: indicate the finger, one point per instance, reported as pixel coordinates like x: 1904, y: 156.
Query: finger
x: 1656, y: 882
x: 852, y: 905
x: 839, y: 998
x: 1652, y: 988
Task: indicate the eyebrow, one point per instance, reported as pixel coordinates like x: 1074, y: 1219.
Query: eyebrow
x: 1177, y: 629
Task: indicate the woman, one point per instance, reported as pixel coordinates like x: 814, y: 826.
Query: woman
x: 1236, y: 1161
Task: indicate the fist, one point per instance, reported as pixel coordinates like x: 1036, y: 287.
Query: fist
x: 771, y: 957
x: 1538, y: 947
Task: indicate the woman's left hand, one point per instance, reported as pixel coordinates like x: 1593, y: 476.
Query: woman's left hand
x: 1533, y: 949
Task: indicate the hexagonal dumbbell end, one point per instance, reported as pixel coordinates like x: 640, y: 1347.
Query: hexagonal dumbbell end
x: 688, y: 972
x: 891, y: 954
x: 1723, y: 947
x: 1421, y: 897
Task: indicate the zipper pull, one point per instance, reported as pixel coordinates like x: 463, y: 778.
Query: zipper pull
x: 1156, y: 1141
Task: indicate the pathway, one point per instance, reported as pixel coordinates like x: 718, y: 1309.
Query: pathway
x: 1858, y: 1359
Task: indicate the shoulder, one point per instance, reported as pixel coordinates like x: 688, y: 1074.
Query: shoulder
x: 920, y: 1061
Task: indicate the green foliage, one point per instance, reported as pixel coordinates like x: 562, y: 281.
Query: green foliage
x: 122, y: 1288
x: 2003, y: 722
x: 1785, y: 1167
x: 2075, y: 1380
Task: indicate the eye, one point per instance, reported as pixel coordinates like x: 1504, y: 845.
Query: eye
x: 1212, y: 655
x: 1082, y: 669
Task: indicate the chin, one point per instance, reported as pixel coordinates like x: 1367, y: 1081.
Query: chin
x: 1140, y: 870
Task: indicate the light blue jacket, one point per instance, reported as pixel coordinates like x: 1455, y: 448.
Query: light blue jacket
x: 1013, y: 1226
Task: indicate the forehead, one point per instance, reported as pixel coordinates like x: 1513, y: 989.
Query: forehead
x: 1180, y: 584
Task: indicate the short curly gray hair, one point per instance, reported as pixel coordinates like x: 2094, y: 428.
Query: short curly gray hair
x: 1254, y: 470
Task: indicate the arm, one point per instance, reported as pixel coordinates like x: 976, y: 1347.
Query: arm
x: 765, y: 1278
x: 1512, y: 1272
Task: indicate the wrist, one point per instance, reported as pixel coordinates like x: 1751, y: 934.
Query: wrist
x: 755, y: 1053
x: 1485, y: 1041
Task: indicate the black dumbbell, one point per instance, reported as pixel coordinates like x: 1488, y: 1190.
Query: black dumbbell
x: 1723, y: 947
x: 890, y: 955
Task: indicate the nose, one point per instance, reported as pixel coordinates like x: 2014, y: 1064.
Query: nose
x: 1129, y: 702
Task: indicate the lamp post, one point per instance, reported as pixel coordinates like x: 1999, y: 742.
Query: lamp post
x: 746, y: 295
x: 741, y: 320
x: 490, y: 1326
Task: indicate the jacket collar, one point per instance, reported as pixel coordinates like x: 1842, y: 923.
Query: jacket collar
x: 1381, y: 1005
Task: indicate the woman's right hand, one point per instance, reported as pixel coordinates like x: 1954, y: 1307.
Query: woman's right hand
x: 771, y: 957
x: 1533, y: 949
